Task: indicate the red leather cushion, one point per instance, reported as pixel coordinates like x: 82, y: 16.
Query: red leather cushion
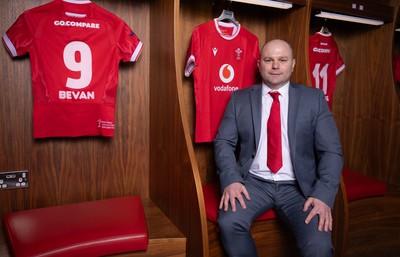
x: 212, y: 196
x: 93, y: 228
x: 360, y: 186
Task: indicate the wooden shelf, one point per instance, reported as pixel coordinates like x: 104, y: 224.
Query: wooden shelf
x: 296, y: 2
x: 380, y: 10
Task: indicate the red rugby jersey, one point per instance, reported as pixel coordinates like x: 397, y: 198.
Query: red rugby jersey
x: 223, y: 58
x: 325, y: 63
x: 75, y: 48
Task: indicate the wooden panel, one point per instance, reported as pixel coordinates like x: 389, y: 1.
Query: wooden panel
x: 288, y: 28
x: 371, y: 9
x: 298, y: 2
x: 174, y: 186
x: 76, y: 169
x: 165, y: 240
x: 374, y: 227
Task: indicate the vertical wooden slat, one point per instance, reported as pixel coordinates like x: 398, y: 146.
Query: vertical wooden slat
x: 174, y: 186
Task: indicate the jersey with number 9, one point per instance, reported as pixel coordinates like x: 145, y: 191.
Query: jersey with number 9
x: 75, y: 48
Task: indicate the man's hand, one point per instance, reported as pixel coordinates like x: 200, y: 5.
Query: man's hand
x: 231, y: 193
x: 322, y: 210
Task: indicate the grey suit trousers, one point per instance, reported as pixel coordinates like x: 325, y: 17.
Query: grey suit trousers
x: 288, y: 201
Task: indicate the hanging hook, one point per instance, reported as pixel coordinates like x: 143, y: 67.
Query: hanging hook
x: 223, y: 1
x: 324, y: 28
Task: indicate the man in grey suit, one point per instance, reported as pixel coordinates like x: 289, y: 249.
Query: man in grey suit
x: 303, y: 189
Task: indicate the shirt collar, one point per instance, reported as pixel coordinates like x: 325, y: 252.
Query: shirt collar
x: 283, y: 90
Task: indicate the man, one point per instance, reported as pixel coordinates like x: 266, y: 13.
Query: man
x: 303, y: 188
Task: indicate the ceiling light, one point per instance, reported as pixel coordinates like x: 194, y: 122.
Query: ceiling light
x: 269, y: 3
x: 335, y: 16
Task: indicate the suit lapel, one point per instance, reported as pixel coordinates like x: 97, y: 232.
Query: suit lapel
x: 255, y: 100
x: 292, y: 117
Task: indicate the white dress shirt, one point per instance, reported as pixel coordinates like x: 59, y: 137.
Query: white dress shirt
x: 259, y: 166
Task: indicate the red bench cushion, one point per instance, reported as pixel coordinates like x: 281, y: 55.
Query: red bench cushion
x: 93, y: 228
x: 360, y: 186
x: 212, y: 196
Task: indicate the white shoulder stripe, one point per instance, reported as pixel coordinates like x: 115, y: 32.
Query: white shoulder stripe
x: 190, y: 65
x: 10, y: 45
x: 78, y: 1
x: 138, y: 49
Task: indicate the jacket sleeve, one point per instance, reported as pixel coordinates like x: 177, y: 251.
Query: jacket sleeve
x: 225, y: 145
x: 328, y: 154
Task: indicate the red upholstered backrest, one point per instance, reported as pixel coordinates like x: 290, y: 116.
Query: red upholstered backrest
x: 359, y: 186
x: 212, y: 196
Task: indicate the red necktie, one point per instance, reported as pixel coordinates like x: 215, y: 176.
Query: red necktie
x: 274, y: 157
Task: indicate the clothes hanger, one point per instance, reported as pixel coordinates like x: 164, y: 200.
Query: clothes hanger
x: 228, y: 15
x: 324, y: 28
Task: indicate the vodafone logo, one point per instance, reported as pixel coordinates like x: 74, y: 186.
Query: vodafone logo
x: 226, y: 73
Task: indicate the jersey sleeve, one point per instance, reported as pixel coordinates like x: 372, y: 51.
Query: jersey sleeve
x: 339, y: 61
x: 129, y: 44
x: 191, y: 53
x: 18, y: 38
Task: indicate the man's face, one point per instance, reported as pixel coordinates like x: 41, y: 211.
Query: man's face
x: 276, y: 64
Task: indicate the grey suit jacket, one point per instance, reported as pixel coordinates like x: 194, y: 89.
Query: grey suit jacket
x: 314, y: 141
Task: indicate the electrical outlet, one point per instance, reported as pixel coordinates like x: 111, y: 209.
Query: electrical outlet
x: 13, y: 179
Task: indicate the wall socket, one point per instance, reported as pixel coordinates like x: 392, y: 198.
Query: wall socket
x: 14, y: 179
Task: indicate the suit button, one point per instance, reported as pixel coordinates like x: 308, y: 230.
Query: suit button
x: 253, y: 156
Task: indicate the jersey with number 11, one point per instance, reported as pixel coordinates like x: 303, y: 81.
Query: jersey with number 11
x: 75, y: 48
x: 325, y: 63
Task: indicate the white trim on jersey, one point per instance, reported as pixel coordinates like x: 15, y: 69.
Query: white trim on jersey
x: 236, y: 29
x: 136, y: 54
x: 324, y: 34
x: 76, y: 15
x: 10, y: 45
x: 338, y: 71
x: 78, y: 1
x: 190, y: 64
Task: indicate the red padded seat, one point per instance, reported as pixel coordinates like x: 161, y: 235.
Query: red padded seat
x: 359, y: 186
x: 212, y: 196
x: 94, y: 228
